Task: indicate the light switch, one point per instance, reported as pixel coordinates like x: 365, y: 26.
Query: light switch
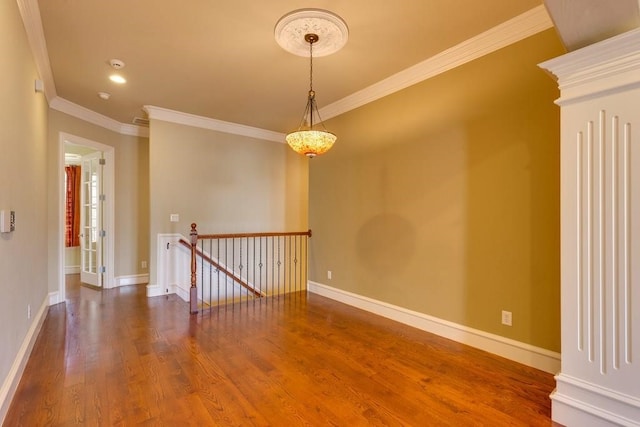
x: 174, y: 217
x: 7, y: 221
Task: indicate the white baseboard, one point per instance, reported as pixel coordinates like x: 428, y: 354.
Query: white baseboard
x: 12, y: 380
x: 135, y: 279
x: 54, y: 298
x: 577, y: 402
x: 71, y: 269
x: 157, y: 290
x: 526, y: 354
x: 182, y: 292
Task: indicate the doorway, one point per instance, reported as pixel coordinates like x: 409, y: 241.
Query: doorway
x: 94, y: 257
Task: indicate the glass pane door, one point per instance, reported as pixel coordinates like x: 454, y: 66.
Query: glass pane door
x: 91, y: 238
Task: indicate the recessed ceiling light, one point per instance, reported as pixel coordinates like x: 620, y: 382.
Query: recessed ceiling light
x: 116, y: 78
x: 104, y: 95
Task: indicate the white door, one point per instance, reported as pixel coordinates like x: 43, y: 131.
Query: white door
x: 91, y: 230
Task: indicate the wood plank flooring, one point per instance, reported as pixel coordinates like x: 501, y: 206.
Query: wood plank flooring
x: 116, y: 357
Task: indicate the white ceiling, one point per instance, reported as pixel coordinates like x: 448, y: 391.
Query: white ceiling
x: 584, y: 22
x: 219, y: 60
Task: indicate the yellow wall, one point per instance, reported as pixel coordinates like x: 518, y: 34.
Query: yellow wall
x: 444, y: 198
x: 23, y: 186
x: 224, y: 183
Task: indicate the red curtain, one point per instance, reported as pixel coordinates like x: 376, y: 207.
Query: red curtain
x: 72, y: 223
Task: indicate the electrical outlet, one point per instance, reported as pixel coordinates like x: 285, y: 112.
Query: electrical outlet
x: 143, y: 264
x: 329, y: 274
x: 28, y: 311
x: 506, y: 318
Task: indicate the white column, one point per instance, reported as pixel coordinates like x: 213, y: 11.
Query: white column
x: 599, y: 382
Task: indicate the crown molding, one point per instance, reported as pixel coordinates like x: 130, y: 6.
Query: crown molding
x: 82, y: 113
x: 30, y: 13
x: 159, y: 113
x: 604, y: 67
x: 522, y: 26
x: 514, y: 30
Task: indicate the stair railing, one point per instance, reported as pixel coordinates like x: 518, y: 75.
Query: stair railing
x: 244, y: 267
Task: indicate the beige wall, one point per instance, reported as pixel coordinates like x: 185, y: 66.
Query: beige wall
x: 72, y: 256
x: 225, y: 183
x: 444, y: 198
x: 23, y: 253
x: 131, y: 193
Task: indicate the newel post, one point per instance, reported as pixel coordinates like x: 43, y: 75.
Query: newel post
x: 193, y: 291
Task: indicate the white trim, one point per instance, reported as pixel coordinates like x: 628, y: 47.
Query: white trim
x: 526, y: 354
x: 168, y: 269
x: 181, y: 292
x: 509, y: 32
x: 134, y: 279
x: 54, y: 298
x: 30, y: 12
x: 62, y: 221
x: 525, y: 25
x: 578, y: 402
x: 12, y: 380
x: 608, y: 66
x: 91, y: 116
x: 599, y: 87
x: 522, y: 26
x: 163, y: 267
x: 158, y: 113
x: 71, y: 269
x: 109, y: 217
x: 155, y: 291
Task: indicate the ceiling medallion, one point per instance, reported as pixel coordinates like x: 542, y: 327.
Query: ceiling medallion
x: 331, y: 30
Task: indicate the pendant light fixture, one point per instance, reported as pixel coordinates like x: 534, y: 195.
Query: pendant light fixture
x: 309, y: 140
x: 329, y: 33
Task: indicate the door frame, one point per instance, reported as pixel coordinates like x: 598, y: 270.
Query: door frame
x: 109, y: 208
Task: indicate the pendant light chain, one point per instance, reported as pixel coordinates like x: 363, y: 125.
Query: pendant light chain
x: 312, y: 38
x: 312, y: 94
x: 311, y: 66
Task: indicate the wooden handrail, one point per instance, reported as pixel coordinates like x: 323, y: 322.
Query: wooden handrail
x: 228, y: 273
x: 244, y: 235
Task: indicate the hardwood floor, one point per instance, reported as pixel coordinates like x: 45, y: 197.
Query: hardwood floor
x: 116, y: 357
